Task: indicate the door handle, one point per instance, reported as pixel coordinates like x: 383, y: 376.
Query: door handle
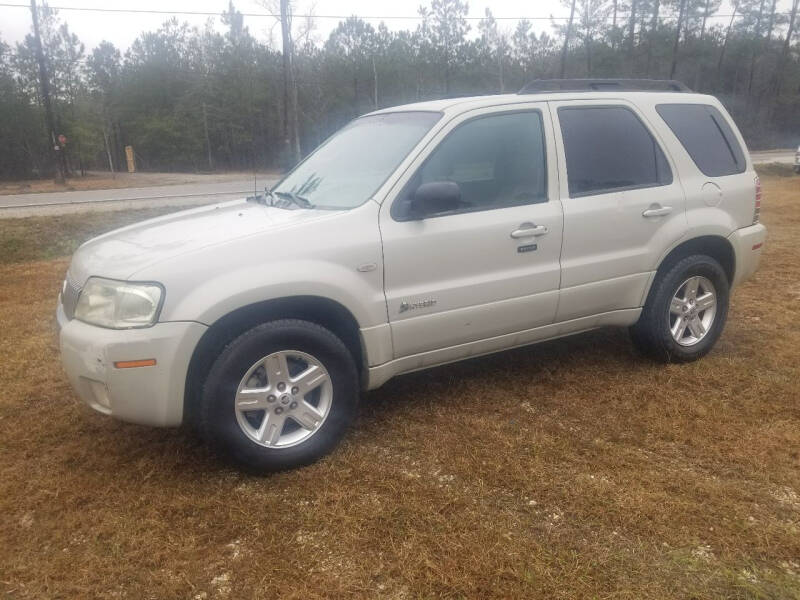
x: 529, y: 230
x: 656, y: 210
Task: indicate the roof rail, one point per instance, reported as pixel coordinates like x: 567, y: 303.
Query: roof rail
x: 538, y: 86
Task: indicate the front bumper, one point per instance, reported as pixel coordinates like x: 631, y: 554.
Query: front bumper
x: 148, y: 395
x: 747, y: 242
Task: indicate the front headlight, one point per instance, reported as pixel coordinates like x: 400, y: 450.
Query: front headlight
x: 118, y: 304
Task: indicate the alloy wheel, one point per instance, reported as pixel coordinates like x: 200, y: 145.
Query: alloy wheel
x: 283, y: 399
x: 692, y: 310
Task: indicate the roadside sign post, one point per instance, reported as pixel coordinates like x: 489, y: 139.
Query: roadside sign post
x: 131, y: 158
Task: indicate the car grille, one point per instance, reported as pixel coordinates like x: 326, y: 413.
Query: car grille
x: 69, y: 296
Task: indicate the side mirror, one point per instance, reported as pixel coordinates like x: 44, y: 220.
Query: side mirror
x: 434, y: 197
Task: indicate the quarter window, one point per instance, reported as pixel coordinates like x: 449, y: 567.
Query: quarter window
x: 497, y: 161
x: 609, y: 149
x: 707, y: 137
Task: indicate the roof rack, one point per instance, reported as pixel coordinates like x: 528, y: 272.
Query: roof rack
x: 538, y: 86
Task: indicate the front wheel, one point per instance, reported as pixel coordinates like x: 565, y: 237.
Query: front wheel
x: 685, y: 312
x: 279, y: 396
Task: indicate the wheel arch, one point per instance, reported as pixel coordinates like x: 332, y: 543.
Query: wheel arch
x: 316, y: 309
x: 716, y: 246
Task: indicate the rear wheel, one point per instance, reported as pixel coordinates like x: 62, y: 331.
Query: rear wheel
x: 685, y: 312
x: 279, y: 396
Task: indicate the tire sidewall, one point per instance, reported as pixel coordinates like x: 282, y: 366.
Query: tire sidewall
x: 219, y: 393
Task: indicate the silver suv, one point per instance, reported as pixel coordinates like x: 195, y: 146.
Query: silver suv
x: 416, y: 236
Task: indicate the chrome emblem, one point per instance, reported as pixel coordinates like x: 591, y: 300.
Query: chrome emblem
x: 427, y: 303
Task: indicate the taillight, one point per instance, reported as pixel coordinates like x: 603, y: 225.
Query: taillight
x: 757, y: 209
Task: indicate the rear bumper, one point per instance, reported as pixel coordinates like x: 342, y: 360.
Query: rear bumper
x: 151, y: 395
x: 747, y: 245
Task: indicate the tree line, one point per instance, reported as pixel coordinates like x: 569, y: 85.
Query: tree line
x: 210, y: 98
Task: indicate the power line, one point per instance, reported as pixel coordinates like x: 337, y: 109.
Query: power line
x: 620, y: 16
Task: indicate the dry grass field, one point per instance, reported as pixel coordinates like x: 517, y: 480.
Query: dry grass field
x: 574, y: 469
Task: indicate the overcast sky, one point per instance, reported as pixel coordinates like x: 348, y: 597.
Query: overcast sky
x: 123, y: 28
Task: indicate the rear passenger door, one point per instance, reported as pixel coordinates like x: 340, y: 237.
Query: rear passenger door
x: 623, y: 205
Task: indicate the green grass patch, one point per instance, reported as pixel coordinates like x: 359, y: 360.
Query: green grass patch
x: 43, y: 238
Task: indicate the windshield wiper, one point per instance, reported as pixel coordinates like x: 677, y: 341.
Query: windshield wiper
x: 267, y: 198
x: 294, y: 198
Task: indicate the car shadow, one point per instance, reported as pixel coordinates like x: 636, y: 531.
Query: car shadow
x: 610, y: 348
x: 182, y: 453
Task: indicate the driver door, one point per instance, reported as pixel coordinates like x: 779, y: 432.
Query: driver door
x: 489, y: 266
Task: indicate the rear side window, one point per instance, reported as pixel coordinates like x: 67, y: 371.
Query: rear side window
x: 707, y: 137
x: 609, y: 149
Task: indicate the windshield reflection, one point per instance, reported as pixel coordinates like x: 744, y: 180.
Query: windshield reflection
x: 348, y: 168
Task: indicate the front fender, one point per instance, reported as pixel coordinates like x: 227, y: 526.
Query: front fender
x: 216, y: 297
x: 338, y: 258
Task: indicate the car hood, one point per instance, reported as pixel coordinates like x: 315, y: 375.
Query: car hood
x: 122, y: 252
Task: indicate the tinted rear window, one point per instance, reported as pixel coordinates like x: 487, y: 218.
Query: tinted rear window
x: 608, y: 148
x: 707, y: 137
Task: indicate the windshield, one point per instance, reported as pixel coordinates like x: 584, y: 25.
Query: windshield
x: 347, y: 169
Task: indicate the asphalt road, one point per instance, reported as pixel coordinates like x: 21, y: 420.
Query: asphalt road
x: 21, y: 205
x: 197, y: 190
x: 773, y: 156
x: 191, y: 194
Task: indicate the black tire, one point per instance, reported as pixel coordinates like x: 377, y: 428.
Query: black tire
x: 217, y: 416
x: 651, y: 333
